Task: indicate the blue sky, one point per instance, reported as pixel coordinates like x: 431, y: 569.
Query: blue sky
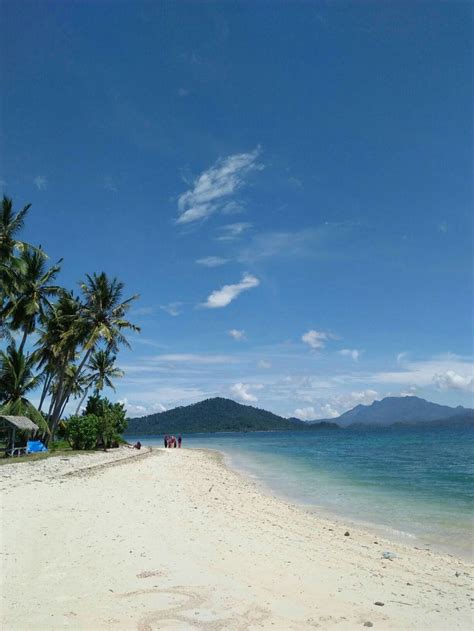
x: 288, y: 186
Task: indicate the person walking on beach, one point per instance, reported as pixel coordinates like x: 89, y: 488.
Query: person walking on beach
x: 179, y: 440
x: 166, y: 440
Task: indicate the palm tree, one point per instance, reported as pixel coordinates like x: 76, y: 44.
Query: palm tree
x: 102, y: 370
x: 17, y: 379
x: 34, y: 291
x: 57, y: 345
x: 105, y: 312
x: 101, y: 319
x: 10, y: 225
x: 77, y: 384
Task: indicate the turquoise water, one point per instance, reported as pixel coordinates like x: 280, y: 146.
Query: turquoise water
x: 411, y: 484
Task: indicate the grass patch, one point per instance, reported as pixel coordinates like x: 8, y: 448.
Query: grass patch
x: 56, y: 448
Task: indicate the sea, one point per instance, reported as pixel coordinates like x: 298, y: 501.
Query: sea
x: 413, y: 485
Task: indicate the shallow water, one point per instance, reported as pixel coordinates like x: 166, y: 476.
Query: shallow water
x: 416, y: 485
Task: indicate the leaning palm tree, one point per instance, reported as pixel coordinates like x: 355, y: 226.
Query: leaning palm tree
x: 17, y: 380
x: 101, y: 371
x: 58, y: 341
x: 77, y: 385
x: 35, y: 288
x: 101, y: 319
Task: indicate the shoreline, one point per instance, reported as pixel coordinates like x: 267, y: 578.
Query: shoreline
x: 410, y: 539
x: 178, y: 540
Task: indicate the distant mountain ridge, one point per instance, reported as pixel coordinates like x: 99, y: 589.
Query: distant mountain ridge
x: 217, y: 415
x: 224, y: 415
x: 392, y: 410
x: 462, y: 420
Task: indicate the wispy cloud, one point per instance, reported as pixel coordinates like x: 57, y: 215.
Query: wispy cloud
x: 353, y: 353
x: 237, y: 334
x: 110, y: 184
x: 323, y: 241
x: 243, y: 391
x: 142, y: 311
x: 264, y: 364
x: 172, y: 308
x: 233, y: 231
x: 212, y: 261
x: 192, y: 358
x: 212, y: 190
x: 316, y: 339
x: 224, y: 296
x: 41, y: 182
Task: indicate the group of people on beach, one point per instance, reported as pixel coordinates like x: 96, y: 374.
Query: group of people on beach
x: 172, y: 442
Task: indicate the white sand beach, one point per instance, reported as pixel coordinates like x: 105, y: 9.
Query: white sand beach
x: 173, y: 539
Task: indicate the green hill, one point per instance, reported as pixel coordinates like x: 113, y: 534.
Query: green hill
x: 216, y: 415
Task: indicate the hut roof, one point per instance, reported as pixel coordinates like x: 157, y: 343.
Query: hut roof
x: 20, y: 422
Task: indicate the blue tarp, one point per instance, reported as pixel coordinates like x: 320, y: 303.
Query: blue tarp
x: 35, y: 446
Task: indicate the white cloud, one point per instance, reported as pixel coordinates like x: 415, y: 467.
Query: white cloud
x: 451, y: 380
x: 233, y: 231
x: 411, y: 391
x: 142, y: 410
x: 305, y: 414
x: 224, y: 296
x: 242, y: 391
x: 212, y: 261
x: 327, y: 411
x: 423, y: 373
x: 315, y: 339
x: 173, y: 308
x: 264, y: 364
x: 237, y: 334
x: 351, y: 399
x: 331, y: 406
x: 401, y: 357
x: 211, y: 191
x: 41, y: 182
x: 353, y: 353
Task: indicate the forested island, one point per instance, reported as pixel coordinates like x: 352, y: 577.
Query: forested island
x: 217, y: 415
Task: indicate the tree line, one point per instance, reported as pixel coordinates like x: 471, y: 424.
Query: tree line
x: 53, y: 341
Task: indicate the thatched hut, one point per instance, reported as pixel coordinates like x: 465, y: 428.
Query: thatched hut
x: 9, y: 426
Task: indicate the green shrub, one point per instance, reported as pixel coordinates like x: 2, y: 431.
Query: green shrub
x: 82, y: 431
x: 100, y: 426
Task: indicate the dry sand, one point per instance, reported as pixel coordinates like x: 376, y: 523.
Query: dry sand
x: 172, y: 539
